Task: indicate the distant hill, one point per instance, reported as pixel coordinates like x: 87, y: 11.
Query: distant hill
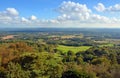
x: 59, y: 29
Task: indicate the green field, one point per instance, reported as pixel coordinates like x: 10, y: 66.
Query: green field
x: 110, y: 45
x: 72, y: 48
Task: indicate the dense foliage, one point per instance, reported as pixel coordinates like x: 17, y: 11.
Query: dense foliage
x: 25, y: 60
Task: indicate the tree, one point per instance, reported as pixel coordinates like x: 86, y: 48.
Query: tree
x: 76, y: 74
x: 70, y: 53
x: 79, y: 60
x: 15, y: 71
x: 101, y: 60
x: 47, y: 66
x: 70, y: 57
x: 43, y: 65
x: 113, y: 59
x: 2, y: 72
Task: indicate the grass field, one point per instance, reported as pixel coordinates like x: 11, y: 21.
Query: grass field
x: 72, y: 48
x: 110, y: 45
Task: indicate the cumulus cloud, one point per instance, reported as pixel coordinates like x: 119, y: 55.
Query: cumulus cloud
x: 115, y: 8
x: 33, y: 18
x: 74, y: 12
x: 9, y: 15
x: 12, y: 12
x: 23, y: 19
x: 72, y: 7
x: 71, y: 14
x: 101, y: 8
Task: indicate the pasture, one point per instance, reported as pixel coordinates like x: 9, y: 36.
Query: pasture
x: 72, y: 48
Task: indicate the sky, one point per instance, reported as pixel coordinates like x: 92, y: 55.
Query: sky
x: 60, y: 13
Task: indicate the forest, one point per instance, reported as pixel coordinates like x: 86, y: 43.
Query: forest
x: 60, y: 54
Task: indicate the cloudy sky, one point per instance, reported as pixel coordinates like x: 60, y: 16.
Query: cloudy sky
x: 60, y: 13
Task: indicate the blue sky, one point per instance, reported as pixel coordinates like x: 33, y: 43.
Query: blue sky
x: 60, y: 13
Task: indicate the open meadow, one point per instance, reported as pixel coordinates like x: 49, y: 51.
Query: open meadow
x: 74, y: 49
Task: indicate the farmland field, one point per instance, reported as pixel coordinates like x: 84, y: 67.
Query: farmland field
x: 110, y: 45
x: 72, y: 48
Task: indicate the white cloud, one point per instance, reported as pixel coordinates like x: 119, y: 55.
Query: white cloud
x: 74, y: 12
x: 71, y: 14
x: 8, y: 16
x: 72, y: 7
x: 115, y: 8
x: 33, y: 18
x: 23, y: 19
x: 12, y: 11
x: 100, y: 19
x: 101, y: 8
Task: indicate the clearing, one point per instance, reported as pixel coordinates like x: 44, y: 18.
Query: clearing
x: 72, y: 48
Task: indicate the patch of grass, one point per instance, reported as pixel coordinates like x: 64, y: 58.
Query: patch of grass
x: 110, y: 45
x: 65, y: 49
